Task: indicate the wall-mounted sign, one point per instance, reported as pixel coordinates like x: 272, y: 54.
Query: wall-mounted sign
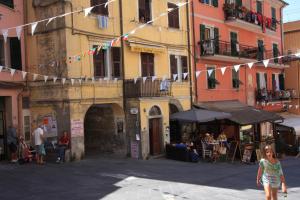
x: 77, y: 128
x: 134, y: 111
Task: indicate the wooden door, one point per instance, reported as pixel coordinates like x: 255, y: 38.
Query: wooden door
x: 155, y: 136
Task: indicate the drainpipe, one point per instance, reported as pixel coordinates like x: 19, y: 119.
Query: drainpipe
x: 189, y: 51
x: 281, y: 30
x: 195, y: 58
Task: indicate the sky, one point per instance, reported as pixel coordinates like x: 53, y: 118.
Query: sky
x: 292, y: 11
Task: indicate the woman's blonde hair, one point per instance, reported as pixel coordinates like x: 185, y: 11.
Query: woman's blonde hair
x: 268, y: 147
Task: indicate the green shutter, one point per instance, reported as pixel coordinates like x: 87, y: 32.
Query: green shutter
x: 257, y: 81
x: 260, y: 55
x: 216, y: 40
x: 202, y: 37
x: 215, y: 3
x: 281, y: 81
x: 233, y: 38
x: 275, y: 52
x: 266, y: 79
x: 273, y: 10
x: 273, y: 82
x: 238, y: 2
x: 259, y: 7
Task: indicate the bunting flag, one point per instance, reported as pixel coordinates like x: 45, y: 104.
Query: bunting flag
x: 132, y: 32
x: 115, y: 80
x: 1, y: 67
x: 164, y: 77
x: 297, y: 54
x: 50, y: 20
x: 290, y: 106
x: 198, y: 74
x: 45, y: 79
x: 63, y: 80
x: 80, y: 81
x: 250, y: 65
x: 12, y: 72
x: 170, y: 9
x: 54, y: 79
x: 35, y: 76
x: 135, y: 80
x: 144, y: 79
x: 19, y: 31
x: 24, y: 74
x: 33, y: 27
x: 5, y: 34
x: 210, y: 71
x: 223, y: 69
x: 93, y: 79
x: 266, y: 62
x: 185, y: 75
x: 175, y: 77
x: 297, y: 107
x: 72, y: 81
x: 236, y: 67
x: 125, y: 37
x: 88, y: 10
x: 153, y: 78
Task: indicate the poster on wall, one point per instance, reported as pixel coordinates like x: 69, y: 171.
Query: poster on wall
x: 134, y: 149
x: 77, y: 128
x: 50, y: 126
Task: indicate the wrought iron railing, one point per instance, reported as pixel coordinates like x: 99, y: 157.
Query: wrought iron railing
x: 147, y: 88
x: 263, y: 95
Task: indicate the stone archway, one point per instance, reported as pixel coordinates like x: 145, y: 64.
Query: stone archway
x: 104, y: 130
x: 155, y: 131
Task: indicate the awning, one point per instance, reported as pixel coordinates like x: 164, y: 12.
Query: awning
x: 199, y: 115
x: 145, y: 47
x: 241, y: 113
x: 292, y: 121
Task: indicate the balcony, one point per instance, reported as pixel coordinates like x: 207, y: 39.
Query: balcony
x: 148, y: 88
x: 240, y: 16
x: 263, y: 95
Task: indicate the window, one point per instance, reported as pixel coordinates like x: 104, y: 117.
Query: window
x: 147, y: 63
x: 275, y: 52
x: 178, y: 65
x: 173, y: 16
x: 9, y: 3
x: 273, y: 11
x: 261, y: 80
x: 25, y: 102
x: 15, y: 53
x: 235, y: 78
x: 261, y: 49
x: 259, y: 7
x: 144, y: 11
x: 209, y: 40
x: 2, y: 52
x: 27, y: 128
x: 234, y: 44
x: 107, y: 62
x: 211, y: 80
x: 99, y: 10
x: 210, y: 2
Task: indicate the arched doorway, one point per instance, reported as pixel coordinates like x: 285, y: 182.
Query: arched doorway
x: 155, y: 131
x: 175, y: 127
x: 104, y: 130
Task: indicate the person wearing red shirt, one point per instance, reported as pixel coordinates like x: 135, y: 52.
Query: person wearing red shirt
x: 63, y: 144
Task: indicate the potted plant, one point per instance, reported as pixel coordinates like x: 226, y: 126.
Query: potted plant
x: 229, y: 10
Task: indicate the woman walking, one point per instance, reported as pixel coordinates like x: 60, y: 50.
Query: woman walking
x: 270, y: 174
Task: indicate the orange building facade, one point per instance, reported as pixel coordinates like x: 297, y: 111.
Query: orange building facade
x: 234, y: 32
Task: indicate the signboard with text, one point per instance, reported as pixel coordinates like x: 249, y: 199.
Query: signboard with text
x: 77, y: 128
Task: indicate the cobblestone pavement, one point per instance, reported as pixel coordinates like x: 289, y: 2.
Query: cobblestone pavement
x: 157, y: 179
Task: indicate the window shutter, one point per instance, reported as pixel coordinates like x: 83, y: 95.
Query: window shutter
x: 257, y: 81
x: 202, y: 32
x: 216, y: 40
x: 281, y: 82
x: 239, y: 2
x: 215, y: 3
x: 147, y: 64
x: 202, y: 1
x: 273, y: 10
x: 173, y: 63
x: 116, y: 61
x: 233, y: 37
x: 2, y: 56
x: 99, y: 63
x: 15, y: 53
x: 273, y: 82
x: 266, y: 79
x: 275, y: 52
x: 260, y: 55
x: 258, y: 7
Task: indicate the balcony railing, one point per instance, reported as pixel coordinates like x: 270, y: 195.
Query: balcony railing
x: 263, y: 95
x: 147, y: 88
x: 233, y: 11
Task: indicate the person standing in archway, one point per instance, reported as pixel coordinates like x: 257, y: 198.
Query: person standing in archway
x: 38, y: 135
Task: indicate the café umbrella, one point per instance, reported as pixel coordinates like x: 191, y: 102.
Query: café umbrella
x: 199, y: 115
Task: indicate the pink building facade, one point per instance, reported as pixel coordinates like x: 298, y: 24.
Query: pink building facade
x: 12, y: 55
x: 234, y: 32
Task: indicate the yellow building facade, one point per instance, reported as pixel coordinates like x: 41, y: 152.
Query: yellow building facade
x: 117, y: 99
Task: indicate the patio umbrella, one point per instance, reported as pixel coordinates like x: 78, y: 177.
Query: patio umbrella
x: 199, y: 115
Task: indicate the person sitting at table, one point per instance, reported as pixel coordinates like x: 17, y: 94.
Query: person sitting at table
x: 63, y: 144
x: 208, y: 139
x: 223, y: 139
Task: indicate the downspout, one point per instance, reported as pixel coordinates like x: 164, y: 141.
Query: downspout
x: 281, y: 31
x: 189, y: 51
x: 195, y: 58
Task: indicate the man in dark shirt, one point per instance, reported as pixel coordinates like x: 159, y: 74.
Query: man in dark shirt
x: 63, y: 144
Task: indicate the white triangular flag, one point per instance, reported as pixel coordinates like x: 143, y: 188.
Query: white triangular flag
x: 45, y: 78
x: 24, y: 74
x: 170, y: 9
x: 132, y: 32
x: 272, y: 104
x: 63, y: 80
x: 290, y: 106
x: 185, y: 75
x: 223, y: 69
x: 164, y: 77
x: 19, y: 31
x: 250, y: 65
x: 93, y: 79
x: 236, y: 67
x: 106, y: 4
x: 210, y: 71
x: 1, y: 67
x: 266, y: 62
x: 180, y: 4
x: 135, y: 80
x: 115, y: 80
x: 297, y: 54
x: 33, y: 27
x: 198, y: 74
x: 5, y: 34
x: 280, y: 57
x: 153, y: 78
x: 72, y: 81
x: 175, y: 76
x: 35, y: 76
x: 12, y: 72
x: 88, y: 10
x: 50, y: 20
x: 54, y: 79
x: 297, y: 106
x: 144, y: 79
x: 80, y: 81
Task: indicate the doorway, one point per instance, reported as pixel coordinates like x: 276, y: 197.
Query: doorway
x: 155, y: 131
x: 3, y: 146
